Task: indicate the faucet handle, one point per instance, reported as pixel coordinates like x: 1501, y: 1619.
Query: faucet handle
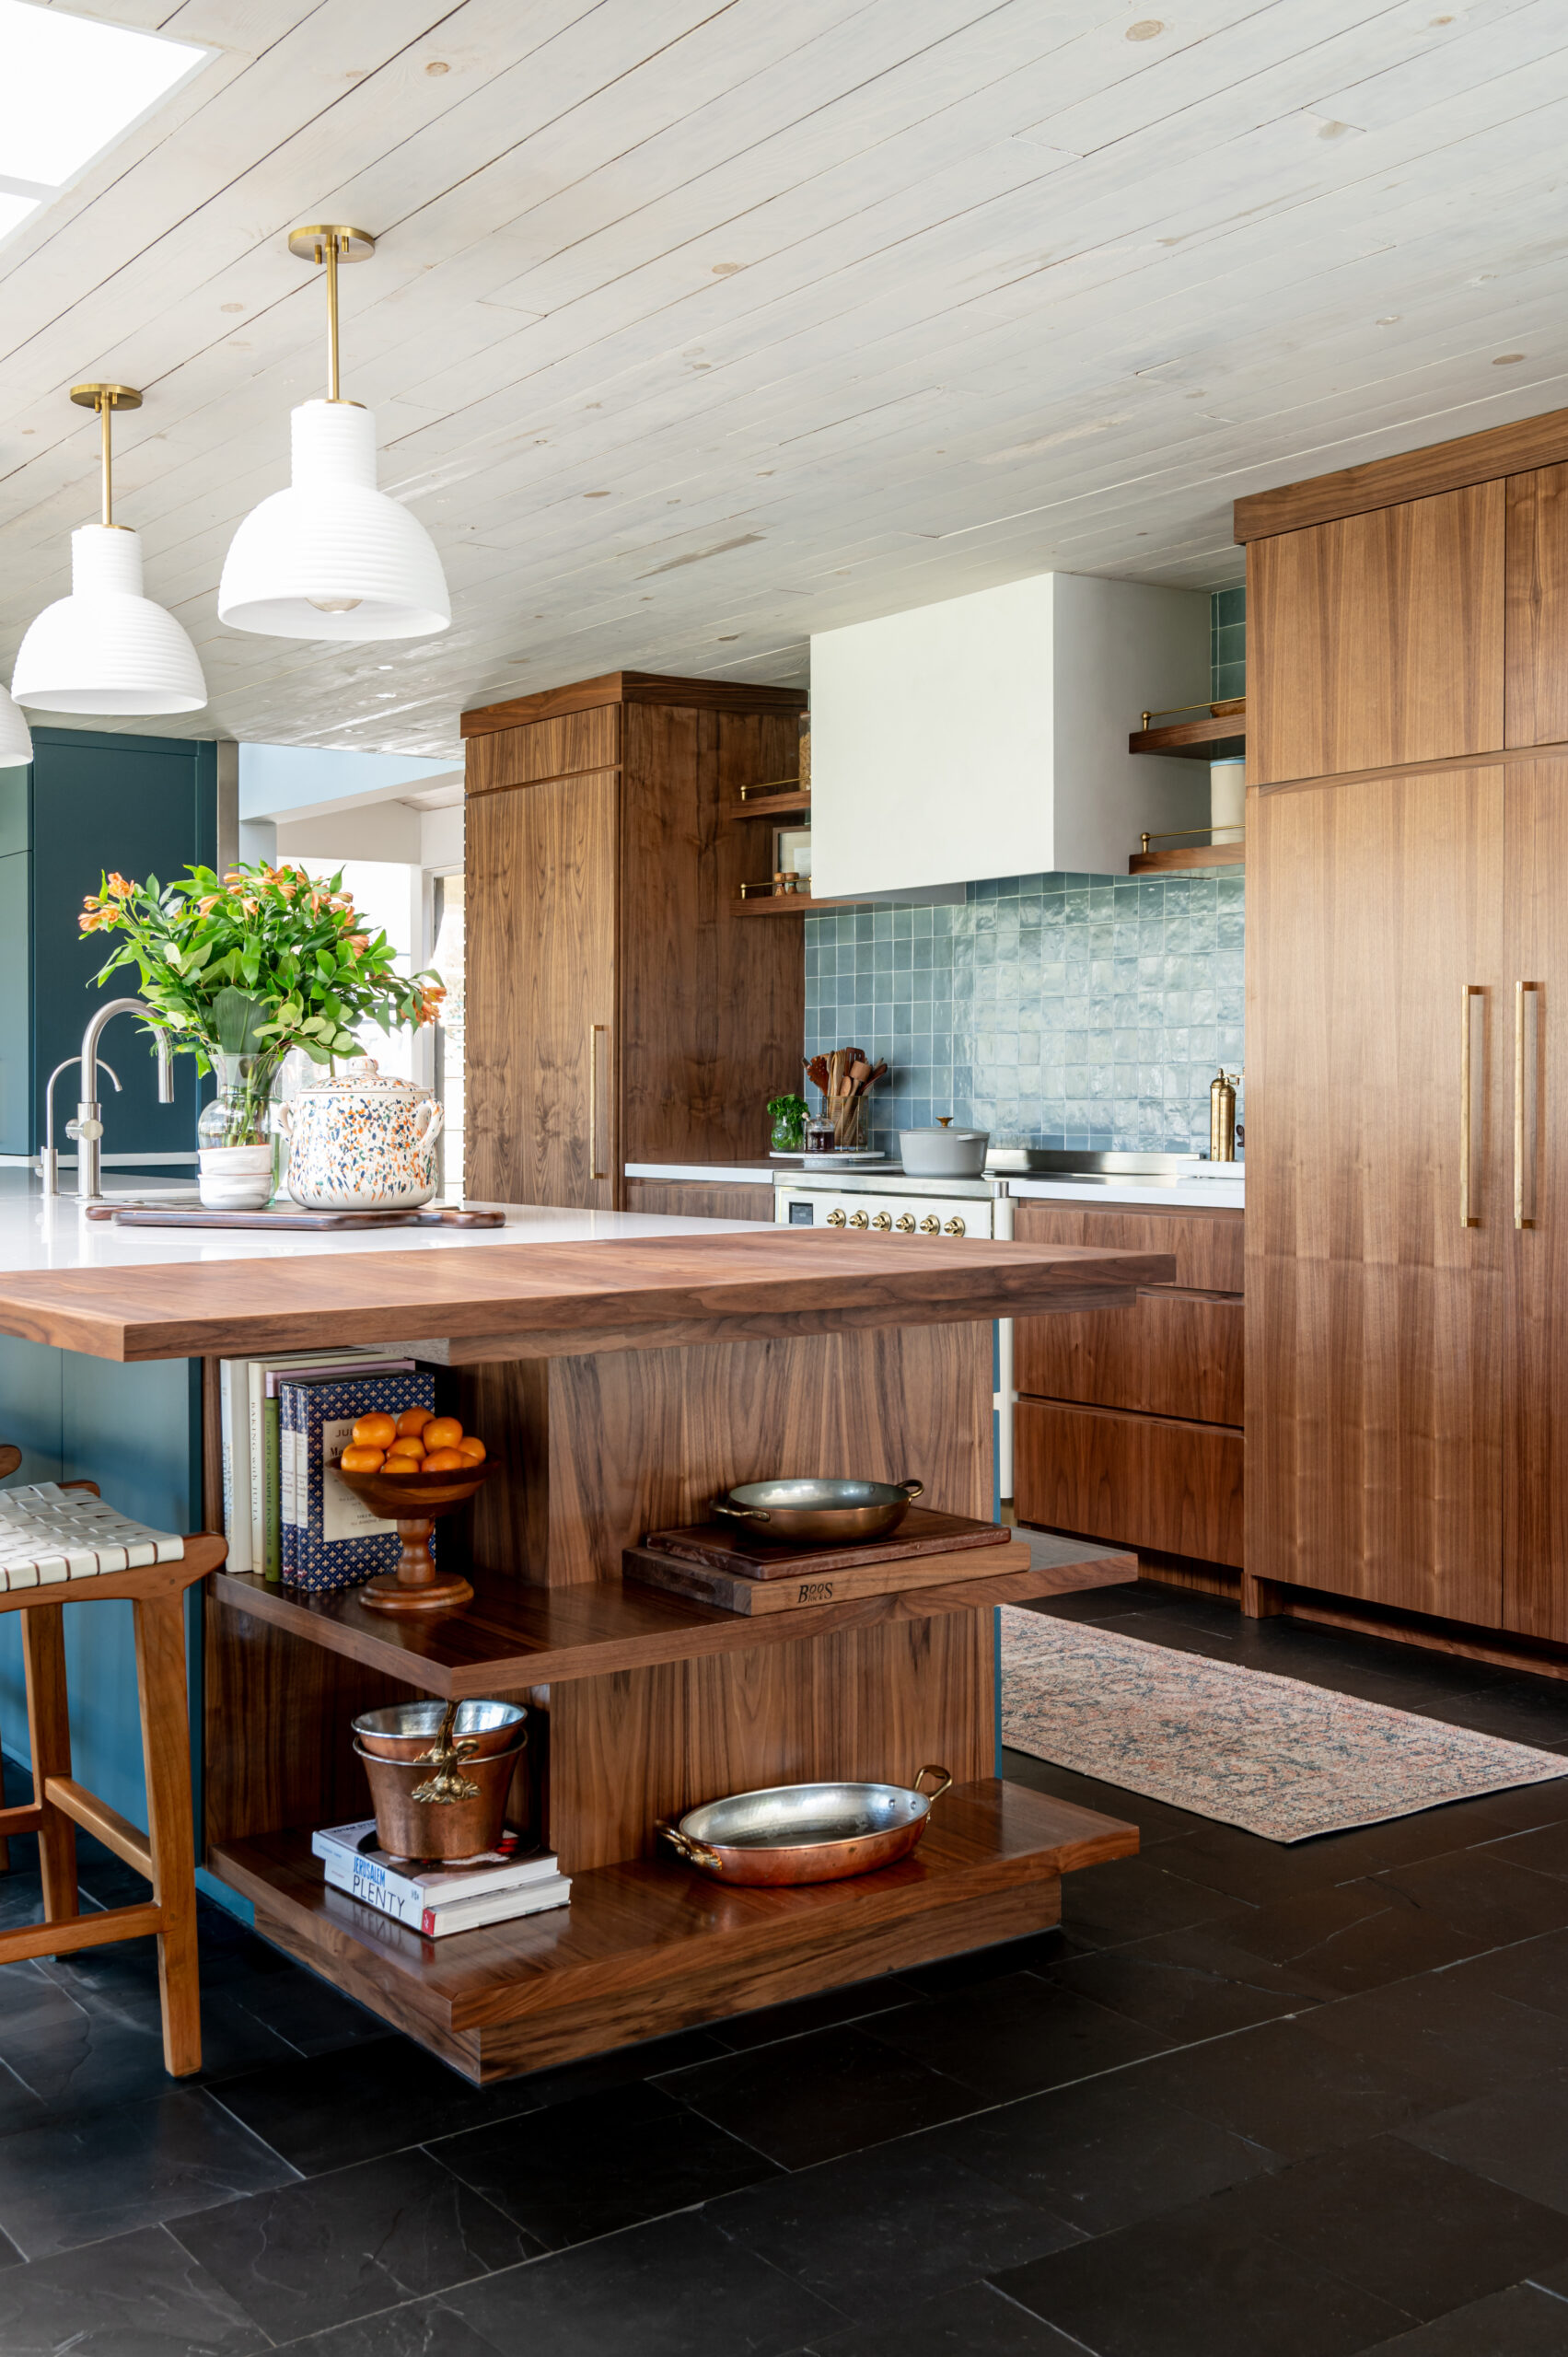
x: 88, y: 1129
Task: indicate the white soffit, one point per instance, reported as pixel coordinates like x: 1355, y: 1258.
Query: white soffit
x: 693, y: 330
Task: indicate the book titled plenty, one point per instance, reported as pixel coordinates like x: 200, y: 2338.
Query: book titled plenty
x: 441, y: 1900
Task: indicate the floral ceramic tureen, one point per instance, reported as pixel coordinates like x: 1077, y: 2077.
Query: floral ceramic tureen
x: 362, y: 1142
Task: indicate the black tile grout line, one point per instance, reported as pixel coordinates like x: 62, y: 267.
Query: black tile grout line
x: 1545, y: 2289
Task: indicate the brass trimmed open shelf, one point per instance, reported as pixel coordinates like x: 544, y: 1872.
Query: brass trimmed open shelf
x: 1185, y: 863
x: 760, y: 903
x: 1217, y: 734
x: 771, y: 802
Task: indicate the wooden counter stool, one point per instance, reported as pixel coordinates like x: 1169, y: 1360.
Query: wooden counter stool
x: 59, y: 1544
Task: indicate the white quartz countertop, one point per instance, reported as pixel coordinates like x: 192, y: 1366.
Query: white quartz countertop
x: 39, y: 1234
x: 712, y: 1174
x: 1227, y: 1193
x: 1210, y: 1194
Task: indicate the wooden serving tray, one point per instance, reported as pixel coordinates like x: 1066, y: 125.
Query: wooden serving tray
x: 700, y: 1583
x: 728, y: 1546
x: 131, y: 1215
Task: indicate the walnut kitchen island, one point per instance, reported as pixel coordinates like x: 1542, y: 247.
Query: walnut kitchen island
x: 624, y: 1369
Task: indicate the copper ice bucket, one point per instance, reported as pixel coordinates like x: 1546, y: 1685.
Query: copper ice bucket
x: 445, y: 1797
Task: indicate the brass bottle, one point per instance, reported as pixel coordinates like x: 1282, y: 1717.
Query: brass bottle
x: 1222, y: 1115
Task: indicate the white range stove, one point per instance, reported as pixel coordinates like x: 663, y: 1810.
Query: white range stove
x: 887, y: 1202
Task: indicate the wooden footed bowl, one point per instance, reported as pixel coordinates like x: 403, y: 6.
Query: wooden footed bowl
x: 414, y: 1501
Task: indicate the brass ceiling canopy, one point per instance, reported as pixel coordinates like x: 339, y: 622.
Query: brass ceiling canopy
x: 106, y: 400
x: 332, y: 242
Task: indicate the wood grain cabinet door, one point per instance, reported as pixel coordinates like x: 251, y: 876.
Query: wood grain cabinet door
x: 541, y: 1044
x: 1374, y: 1311
x: 1377, y: 639
x: 1535, y: 1375
x: 1537, y: 615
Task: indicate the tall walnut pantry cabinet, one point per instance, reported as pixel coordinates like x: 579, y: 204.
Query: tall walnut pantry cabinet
x: 618, y: 1007
x: 1407, y: 1212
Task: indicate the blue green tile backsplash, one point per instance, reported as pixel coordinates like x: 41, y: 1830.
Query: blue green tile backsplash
x: 1050, y: 1010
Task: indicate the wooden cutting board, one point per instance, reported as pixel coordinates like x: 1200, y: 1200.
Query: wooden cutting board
x: 130, y: 1215
x: 729, y: 1547
x: 700, y: 1582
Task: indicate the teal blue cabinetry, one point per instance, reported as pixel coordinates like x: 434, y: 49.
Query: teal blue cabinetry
x: 90, y: 802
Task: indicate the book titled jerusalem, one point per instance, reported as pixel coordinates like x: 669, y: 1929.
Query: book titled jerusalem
x: 335, y: 1540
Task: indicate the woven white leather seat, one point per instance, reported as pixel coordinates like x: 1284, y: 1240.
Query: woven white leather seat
x: 48, y: 1534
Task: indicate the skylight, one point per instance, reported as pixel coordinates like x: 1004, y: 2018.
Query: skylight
x: 69, y: 88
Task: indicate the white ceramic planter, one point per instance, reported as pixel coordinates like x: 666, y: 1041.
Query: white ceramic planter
x: 362, y: 1143
x: 236, y: 1178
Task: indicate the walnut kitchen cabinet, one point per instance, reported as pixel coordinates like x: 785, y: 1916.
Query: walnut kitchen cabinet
x: 1128, y: 1425
x: 617, y: 1007
x: 1406, y: 1237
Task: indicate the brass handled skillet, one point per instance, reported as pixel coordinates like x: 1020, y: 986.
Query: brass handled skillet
x: 793, y: 1833
x: 811, y: 1511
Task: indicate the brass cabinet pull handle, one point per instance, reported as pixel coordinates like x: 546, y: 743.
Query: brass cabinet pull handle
x: 1521, y: 1089
x: 1468, y: 992
x: 594, y: 1031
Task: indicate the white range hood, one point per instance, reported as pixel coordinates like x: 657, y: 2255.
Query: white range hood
x: 987, y: 736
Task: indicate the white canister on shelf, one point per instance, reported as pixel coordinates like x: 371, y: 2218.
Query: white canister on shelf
x: 1227, y: 801
x: 362, y: 1141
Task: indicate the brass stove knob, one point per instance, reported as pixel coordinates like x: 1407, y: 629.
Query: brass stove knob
x: 906, y: 1223
x: 860, y: 1219
x: 931, y: 1225
x: 884, y: 1220
x: 955, y: 1227
x: 835, y: 1219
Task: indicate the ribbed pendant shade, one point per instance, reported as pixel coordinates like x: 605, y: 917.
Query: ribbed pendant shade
x: 332, y: 557
x: 15, y: 744
x: 106, y: 649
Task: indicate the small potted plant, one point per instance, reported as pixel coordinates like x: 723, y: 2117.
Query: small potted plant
x: 786, y: 1116
x: 240, y: 968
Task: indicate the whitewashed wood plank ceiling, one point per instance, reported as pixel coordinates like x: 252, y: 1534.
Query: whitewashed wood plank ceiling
x: 698, y: 325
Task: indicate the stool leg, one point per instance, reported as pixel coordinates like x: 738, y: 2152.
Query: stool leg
x: 48, y: 1730
x: 166, y: 1747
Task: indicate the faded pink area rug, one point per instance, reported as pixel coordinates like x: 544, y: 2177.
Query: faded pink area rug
x: 1272, y: 1755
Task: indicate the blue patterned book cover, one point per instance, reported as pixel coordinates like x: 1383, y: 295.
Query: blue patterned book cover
x: 336, y: 1542
x: 287, y: 1390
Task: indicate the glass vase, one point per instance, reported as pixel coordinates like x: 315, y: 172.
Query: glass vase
x: 235, y: 1134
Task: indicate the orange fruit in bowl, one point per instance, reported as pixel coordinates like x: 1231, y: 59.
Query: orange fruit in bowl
x: 360, y: 1459
x: 471, y: 1447
x: 442, y: 1432
x: 407, y: 1445
x: 446, y: 1460
x: 374, y: 1431
x: 411, y: 1423
x: 403, y: 1468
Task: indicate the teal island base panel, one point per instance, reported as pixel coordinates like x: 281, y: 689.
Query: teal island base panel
x: 136, y: 1431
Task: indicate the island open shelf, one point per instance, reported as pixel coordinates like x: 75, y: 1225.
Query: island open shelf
x: 647, y: 1947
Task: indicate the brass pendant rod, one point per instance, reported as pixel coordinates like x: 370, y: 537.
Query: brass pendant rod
x: 331, y: 261
x: 105, y: 423
x: 332, y: 242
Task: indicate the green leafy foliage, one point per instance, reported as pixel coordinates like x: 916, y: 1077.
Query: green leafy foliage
x: 256, y: 962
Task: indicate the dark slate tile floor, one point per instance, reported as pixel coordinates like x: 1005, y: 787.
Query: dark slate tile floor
x: 1308, y: 2102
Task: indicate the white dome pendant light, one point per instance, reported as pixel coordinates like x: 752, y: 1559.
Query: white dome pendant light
x: 15, y: 744
x: 106, y: 649
x: 332, y: 557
